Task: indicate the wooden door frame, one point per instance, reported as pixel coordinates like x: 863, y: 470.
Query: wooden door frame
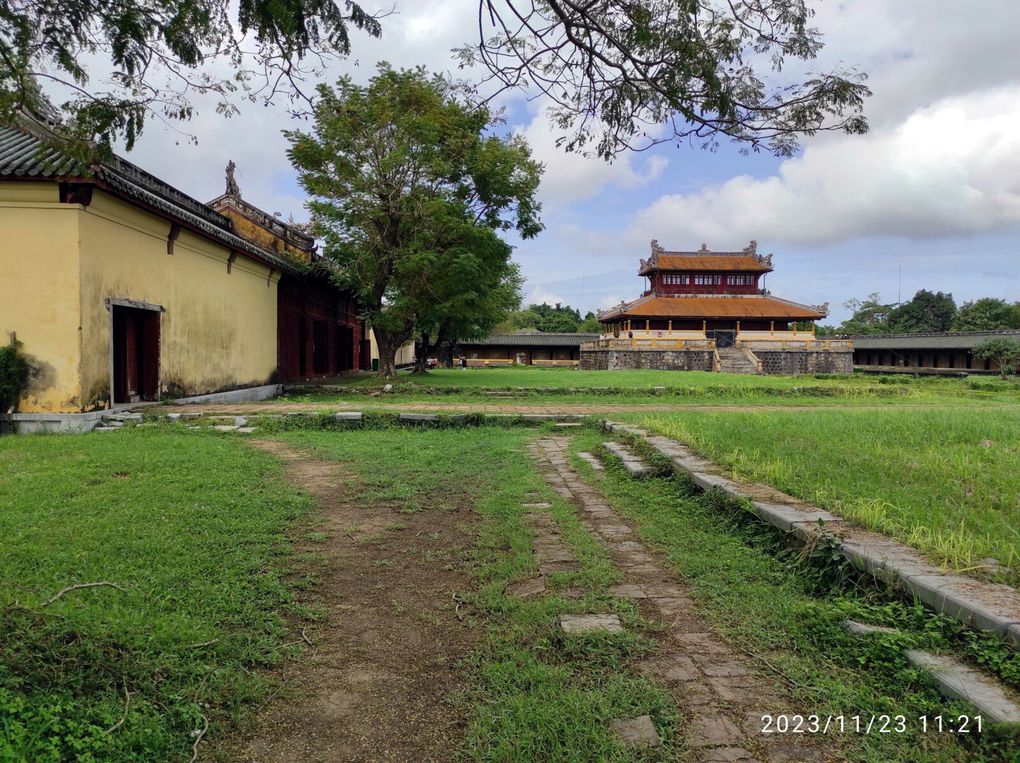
x: 110, y: 303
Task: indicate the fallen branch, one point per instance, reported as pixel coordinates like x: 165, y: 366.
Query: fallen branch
x: 78, y: 587
x: 306, y: 639
x: 198, y: 739
x: 794, y: 683
x: 127, y: 705
x: 199, y: 645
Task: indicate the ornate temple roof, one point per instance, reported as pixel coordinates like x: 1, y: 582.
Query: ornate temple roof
x: 704, y: 306
x: 747, y: 260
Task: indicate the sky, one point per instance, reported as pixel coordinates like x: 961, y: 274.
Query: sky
x: 929, y: 198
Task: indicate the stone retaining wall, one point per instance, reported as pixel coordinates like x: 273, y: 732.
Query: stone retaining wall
x: 794, y: 362
x: 660, y: 360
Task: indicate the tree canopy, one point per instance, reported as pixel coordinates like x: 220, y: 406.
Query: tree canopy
x: 627, y: 75
x: 619, y: 74
x: 160, y: 55
x: 552, y: 318
x: 410, y: 192
x: 927, y: 311
x: 987, y: 314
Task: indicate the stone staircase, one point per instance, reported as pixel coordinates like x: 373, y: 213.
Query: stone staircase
x: 733, y: 360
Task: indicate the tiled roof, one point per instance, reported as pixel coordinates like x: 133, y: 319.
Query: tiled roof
x: 532, y: 339
x: 25, y: 155
x: 693, y: 261
x: 711, y: 306
x: 964, y: 340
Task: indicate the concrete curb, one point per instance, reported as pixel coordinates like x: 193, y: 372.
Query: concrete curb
x: 990, y: 607
x: 957, y: 681
x: 246, y: 395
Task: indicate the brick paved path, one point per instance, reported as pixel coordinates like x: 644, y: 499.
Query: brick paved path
x: 720, y: 690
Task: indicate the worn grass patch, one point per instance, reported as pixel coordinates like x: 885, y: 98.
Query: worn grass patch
x: 533, y: 693
x: 945, y: 481
x: 788, y: 617
x: 189, y: 526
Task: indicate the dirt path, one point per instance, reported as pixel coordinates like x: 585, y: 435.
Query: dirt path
x: 722, y: 690
x: 376, y: 686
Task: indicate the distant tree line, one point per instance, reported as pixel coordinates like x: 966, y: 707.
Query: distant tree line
x: 926, y: 311
x: 551, y: 318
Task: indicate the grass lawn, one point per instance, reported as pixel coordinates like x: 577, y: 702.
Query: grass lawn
x: 947, y: 481
x: 193, y: 527
x: 788, y: 616
x: 186, y: 524
x: 547, y: 386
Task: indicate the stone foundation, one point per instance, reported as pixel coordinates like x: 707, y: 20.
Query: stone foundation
x: 778, y: 362
x: 660, y: 360
x: 796, y: 362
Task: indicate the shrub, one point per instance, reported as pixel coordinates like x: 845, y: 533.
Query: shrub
x: 1004, y: 352
x: 14, y: 370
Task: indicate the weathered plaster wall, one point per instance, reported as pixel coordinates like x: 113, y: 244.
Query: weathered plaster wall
x: 219, y: 328
x: 39, y: 290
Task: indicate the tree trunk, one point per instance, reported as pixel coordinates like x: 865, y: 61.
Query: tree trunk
x: 388, y: 346
x: 421, y: 354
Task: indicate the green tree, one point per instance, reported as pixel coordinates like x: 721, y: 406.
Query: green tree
x: 1003, y: 352
x: 160, y: 55
x: 869, y: 316
x: 590, y: 324
x: 473, y: 286
x: 925, y: 311
x: 403, y: 179
x: 611, y: 68
x: 987, y: 314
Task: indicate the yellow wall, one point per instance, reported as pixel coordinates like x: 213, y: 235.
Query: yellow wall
x: 39, y: 290
x: 219, y: 328
x: 63, y: 261
x: 264, y: 238
x: 405, y: 353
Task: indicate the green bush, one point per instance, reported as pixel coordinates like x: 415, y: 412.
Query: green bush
x: 14, y: 371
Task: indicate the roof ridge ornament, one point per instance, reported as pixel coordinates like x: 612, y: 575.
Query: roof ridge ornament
x: 656, y: 249
x: 232, y: 188
x: 704, y: 249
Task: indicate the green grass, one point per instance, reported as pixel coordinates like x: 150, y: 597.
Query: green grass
x: 768, y: 602
x: 945, y: 481
x: 552, y: 386
x: 532, y: 693
x: 187, y: 525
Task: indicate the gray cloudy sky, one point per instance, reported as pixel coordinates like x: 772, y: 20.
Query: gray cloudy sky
x: 929, y: 199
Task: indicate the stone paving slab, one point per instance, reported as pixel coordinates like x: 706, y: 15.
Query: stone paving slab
x: 637, y: 732
x: 707, y: 678
x: 590, y: 623
x: 957, y: 681
x: 990, y: 607
x: 593, y: 462
x: 864, y: 629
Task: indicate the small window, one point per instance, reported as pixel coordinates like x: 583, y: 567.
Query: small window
x: 741, y: 280
x: 706, y: 280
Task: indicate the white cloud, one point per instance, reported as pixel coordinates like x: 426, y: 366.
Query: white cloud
x: 539, y: 296
x: 952, y: 168
x: 573, y: 177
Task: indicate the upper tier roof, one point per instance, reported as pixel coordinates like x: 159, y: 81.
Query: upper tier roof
x: 747, y: 260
